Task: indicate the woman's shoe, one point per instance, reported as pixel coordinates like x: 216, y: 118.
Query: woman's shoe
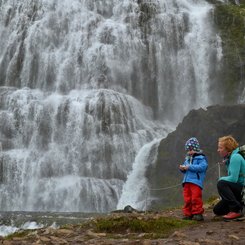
x: 232, y: 215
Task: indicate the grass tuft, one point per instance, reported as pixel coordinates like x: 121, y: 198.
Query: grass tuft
x: 156, y: 227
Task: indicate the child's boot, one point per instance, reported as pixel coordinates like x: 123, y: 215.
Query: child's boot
x: 198, y: 217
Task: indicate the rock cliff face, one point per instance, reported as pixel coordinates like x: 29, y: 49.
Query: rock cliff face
x: 229, y: 21
x: 207, y: 125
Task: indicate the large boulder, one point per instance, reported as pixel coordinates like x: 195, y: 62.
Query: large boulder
x: 207, y: 126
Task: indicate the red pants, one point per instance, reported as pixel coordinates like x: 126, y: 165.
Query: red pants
x: 193, y: 199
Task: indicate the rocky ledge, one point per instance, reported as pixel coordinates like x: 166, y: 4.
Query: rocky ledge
x: 165, y: 227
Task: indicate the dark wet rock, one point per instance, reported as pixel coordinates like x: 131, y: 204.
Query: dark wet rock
x: 127, y: 209
x: 207, y: 125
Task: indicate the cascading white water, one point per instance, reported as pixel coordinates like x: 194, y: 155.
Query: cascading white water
x: 72, y: 152
x: 85, y: 84
x: 137, y: 181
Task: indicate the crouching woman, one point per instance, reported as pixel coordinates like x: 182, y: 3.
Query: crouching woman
x: 230, y: 186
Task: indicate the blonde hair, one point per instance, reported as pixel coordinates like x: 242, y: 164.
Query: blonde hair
x: 229, y: 143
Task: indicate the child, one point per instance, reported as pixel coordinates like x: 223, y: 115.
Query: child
x: 194, y: 170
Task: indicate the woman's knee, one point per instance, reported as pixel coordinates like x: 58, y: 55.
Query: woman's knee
x: 220, y: 208
x: 216, y: 210
x: 221, y: 184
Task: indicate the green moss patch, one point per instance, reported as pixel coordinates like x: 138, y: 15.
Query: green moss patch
x: 150, y: 226
x: 19, y: 234
x: 230, y: 22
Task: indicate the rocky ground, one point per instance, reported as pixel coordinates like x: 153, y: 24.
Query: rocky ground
x: 211, y: 231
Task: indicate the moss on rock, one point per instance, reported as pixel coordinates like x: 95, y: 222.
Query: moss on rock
x: 230, y: 22
x: 152, y: 227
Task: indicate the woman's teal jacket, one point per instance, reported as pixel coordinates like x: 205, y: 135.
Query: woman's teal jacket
x: 235, y: 168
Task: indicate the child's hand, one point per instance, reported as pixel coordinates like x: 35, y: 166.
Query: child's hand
x: 183, y: 168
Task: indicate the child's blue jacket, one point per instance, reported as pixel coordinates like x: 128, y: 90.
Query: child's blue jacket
x: 196, y: 172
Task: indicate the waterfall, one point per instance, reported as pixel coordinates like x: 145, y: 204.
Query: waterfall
x: 136, y: 179
x: 85, y: 84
